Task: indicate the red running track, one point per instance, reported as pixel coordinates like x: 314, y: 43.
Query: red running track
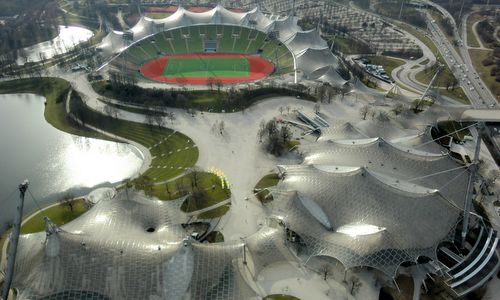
x: 259, y: 68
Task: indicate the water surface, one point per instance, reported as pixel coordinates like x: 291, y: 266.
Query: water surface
x: 53, y: 161
x: 68, y: 38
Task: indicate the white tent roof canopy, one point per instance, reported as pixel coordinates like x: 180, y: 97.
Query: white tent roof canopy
x: 310, y: 51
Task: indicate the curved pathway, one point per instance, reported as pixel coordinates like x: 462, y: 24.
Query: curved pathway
x: 478, y: 38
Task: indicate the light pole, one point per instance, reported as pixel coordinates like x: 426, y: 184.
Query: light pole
x: 14, y: 239
x: 461, y: 9
x: 401, y: 9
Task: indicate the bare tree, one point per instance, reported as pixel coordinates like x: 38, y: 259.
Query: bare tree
x: 491, y: 177
x: 167, y: 188
x: 211, y: 82
x: 317, y: 107
x: 325, y: 270
x: 145, y: 183
x: 218, y: 84
x: 67, y: 200
x: 150, y: 119
x: 171, y: 117
x: 363, y: 111
x: 111, y: 111
x: 221, y: 127
x: 383, y: 116
x: 418, y: 105
x: 158, y: 119
x: 214, y: 127
x: 196, y: 199
x: 398, y: 108
x: 355, y: 285
x: 277, y: 137
x: 194, y: 172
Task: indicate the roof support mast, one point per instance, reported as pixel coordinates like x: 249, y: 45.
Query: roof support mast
x: 426, y: 92
x: 14, y: 239
x: 474, y: 167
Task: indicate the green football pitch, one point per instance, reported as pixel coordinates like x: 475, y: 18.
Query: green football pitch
x: 207, y: 67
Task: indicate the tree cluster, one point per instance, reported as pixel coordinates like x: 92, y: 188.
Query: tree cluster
x: 485, y: 31
x: 27, y: 22
x: 405, y: 53
x: 447, y: 26
x: 275, y: 137
x: 454, y: 7
x: 391, y: 9
x: 123, y: 87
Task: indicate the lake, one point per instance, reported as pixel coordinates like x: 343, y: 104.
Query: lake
x: 68, y: 38
x: 53, y: 161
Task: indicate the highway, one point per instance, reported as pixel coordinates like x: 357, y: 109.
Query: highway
x: 460, y: 63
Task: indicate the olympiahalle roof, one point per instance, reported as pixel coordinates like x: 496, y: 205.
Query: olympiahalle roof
x: 369, y: 202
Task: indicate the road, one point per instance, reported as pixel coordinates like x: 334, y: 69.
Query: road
x: 460, y: 63
x: 405, y: 75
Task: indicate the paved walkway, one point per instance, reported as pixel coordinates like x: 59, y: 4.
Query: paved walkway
x: 197, y: 212
x: 478, y: 38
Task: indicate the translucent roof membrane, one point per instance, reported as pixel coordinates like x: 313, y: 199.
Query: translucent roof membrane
x: 128, y: 247
x: 310, y: 51
x: 374, y: 222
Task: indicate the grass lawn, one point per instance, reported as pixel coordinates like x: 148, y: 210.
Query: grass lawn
x: 55, y: 91
x: 456, y: 93
x: 292, y: 144
x: 348, y: 45
x: 207, y: 97
x: 215, y: 237
x: 206, y: 67
x: 447, y: 127
x: 471, y: 37
x: 477, y: 56
x: 172, y: 152
x: 267, y: 181
x: 59, y: 215
x: 389, y: 63
x: 208, y: 183
x: 426, y: 76
x: 443, y: 79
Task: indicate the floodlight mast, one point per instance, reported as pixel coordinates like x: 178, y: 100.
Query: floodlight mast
x: 14, y: 239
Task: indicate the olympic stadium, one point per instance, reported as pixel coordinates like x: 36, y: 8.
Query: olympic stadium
x: 191, y: 47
